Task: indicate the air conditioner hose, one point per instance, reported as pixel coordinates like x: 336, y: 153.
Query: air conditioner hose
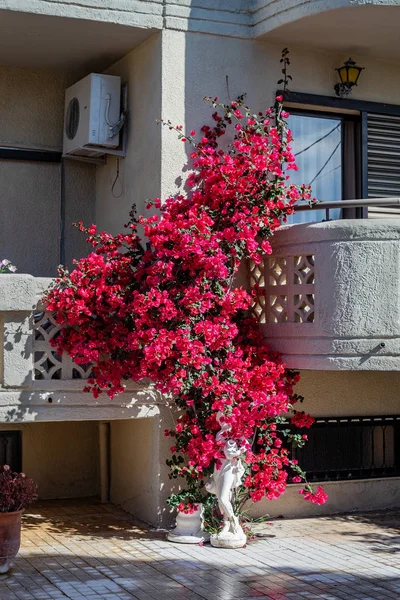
x: 114, y: 128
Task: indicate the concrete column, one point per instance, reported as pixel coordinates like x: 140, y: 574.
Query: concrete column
x: 17, y: 300
x: 104, y: 442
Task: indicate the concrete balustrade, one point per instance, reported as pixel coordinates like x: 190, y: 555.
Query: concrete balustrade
x: 38, y: 385
x: 330, y: 295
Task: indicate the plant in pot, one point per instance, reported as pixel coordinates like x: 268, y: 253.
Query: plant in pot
x: 16, y: 493
x: 6, y: 267
x: 191, y: 505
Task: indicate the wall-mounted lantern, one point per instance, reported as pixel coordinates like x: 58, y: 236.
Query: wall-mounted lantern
x: 349, y: 74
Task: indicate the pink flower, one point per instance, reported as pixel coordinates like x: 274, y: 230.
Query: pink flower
x: 319, y: 497
x: 301, y: 419
x: 165, y: 310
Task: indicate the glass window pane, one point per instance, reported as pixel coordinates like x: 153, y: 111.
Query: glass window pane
x: 317, y: 145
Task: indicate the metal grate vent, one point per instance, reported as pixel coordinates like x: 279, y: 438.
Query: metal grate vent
x: 72, y: 119
x: 341, y: 448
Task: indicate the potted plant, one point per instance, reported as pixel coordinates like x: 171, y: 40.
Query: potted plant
x: 190, y: 518
x: 16, y: 493
x: 6, y: 267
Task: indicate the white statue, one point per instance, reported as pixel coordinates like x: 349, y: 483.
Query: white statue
x: 222, y: 482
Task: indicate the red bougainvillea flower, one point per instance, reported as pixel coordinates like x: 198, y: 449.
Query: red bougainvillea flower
x: 170, y: 312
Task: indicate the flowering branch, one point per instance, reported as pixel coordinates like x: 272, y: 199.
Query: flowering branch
x: 170, y: 313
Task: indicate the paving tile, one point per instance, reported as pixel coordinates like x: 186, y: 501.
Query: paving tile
x: 83, y: 550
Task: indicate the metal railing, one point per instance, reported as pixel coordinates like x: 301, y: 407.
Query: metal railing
x: 345, y: 204
x: 342, y: 448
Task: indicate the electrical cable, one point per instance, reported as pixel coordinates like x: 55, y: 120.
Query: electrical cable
x: 116, y: 180
x: 317, y: 141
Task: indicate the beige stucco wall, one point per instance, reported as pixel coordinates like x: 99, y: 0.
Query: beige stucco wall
x: 343, y: 393
x: 31, y: 116
x: 170, y: 74
x: 343, y: 496
x: 196, y: 65
x: 140, y: 171
x: 63, y: 458
x: 349, y: 393
x: 134, y: 467
x: 32, y: 107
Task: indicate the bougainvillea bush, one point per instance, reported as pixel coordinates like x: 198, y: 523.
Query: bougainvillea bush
x: 171, y: 313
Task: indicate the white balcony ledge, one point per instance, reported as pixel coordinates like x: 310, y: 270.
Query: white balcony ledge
x: 38, y: 385
x: 330, y: 295
x: 334, y: 25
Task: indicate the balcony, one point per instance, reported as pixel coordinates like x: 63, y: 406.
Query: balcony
x: 88, y: 36
x: 38, y: 385
x: 328, y: 299
x: 334, y: 25
x: 329, y: 295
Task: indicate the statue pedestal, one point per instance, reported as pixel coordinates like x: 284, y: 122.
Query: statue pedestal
x: 188, y: 528
x: 229, y: 539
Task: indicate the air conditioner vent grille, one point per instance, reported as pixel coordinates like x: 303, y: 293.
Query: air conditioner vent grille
x: 72, y: 119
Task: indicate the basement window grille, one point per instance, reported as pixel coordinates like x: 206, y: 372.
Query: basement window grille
x: 11, y: 449
x: 343, y: 448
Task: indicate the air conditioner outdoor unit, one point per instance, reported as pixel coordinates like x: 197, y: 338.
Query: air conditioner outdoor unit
x: 92, y: 117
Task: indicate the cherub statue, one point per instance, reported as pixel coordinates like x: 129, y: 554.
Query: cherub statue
x: 225, y: 479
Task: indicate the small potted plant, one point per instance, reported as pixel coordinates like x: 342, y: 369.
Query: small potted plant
x: 6, y: 267
x: 16, y: 493
x: 190, y: 518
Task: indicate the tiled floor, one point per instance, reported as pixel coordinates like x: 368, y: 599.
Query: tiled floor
x: 83, y: 550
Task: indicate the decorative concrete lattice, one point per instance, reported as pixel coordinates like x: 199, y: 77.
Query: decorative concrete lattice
x: 48, y: 364
x: 284, y: 288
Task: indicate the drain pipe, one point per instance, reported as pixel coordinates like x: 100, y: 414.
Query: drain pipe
x: 104, y: 443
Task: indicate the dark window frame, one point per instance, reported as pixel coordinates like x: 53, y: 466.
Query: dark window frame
x: 363, y: 107
x: 344, y: 117
x: 27, y: 154
x: 15, y: 436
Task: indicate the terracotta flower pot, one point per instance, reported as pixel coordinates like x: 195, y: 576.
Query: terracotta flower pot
x: 10, y: 538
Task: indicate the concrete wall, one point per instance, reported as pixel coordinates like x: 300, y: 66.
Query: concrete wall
x: 270, y: 15
x: 349, y: 393
x: 134, y: 467
x: 139, y: 474
x: 62, y: 458
x: 352, y: 291
x: 34, y: 195
x: 170, y: 74
x: 240, y: 18
x: 344, y: 393
x: 196, y: 65
x: 343, y: 496
x: 140, y: 171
